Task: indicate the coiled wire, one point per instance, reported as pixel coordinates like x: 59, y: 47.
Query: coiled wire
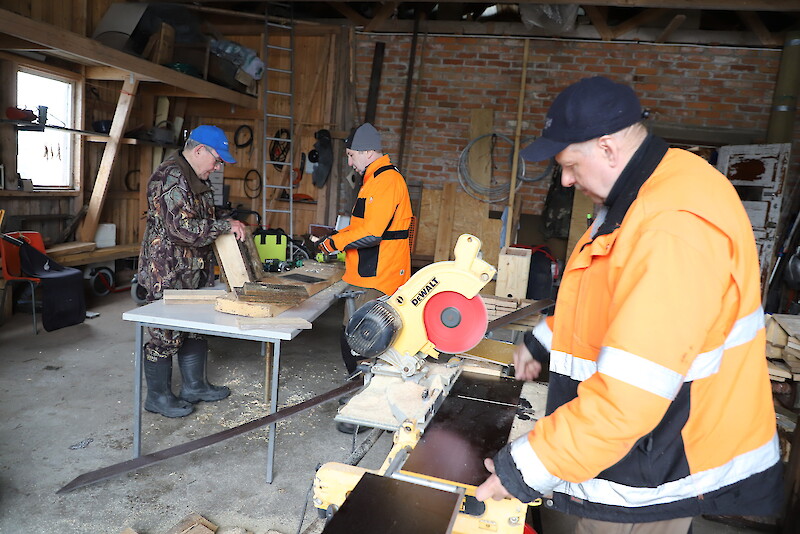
x: 501, y: 192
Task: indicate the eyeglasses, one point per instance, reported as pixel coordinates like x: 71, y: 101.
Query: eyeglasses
x: 217, y: 160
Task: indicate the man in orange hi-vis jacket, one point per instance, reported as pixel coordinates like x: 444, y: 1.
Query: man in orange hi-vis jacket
x: 376, y: 242
x: 659, y: 403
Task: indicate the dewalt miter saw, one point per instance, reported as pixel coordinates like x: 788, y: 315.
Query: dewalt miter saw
x: 437, y: 311
x: 447, y: 416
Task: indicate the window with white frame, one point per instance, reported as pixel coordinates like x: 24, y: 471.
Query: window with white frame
x: 46, y: 157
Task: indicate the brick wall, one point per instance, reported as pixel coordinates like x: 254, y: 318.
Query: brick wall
x: 686, y: 85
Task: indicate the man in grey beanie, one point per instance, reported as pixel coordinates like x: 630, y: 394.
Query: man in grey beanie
x: 376, y: 242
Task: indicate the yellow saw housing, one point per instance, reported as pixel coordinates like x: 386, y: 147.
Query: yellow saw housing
x: 467, y: 275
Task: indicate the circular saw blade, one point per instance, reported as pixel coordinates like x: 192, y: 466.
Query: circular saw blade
x: 453, y: 322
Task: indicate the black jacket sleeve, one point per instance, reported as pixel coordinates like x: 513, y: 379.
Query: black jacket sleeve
x: 537, y: 350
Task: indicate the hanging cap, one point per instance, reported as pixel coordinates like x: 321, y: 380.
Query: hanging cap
x: 364, y: 138
x: 215, y: 138
x: 585, y: 110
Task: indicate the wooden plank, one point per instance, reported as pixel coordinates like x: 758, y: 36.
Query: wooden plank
x: 74, y: 247
x: 193, y: 295
x: 230, y: 304
x: 190, y: 521
x: 231, y: 262
x: 99, y: 255
x: 326, y: 273
x: 93, y: 52
x: 445, y: 228
x: 512, y: 272
x: 481, y: 122
x: 123, y: 111
x: 427, y: 222
x: 469, y: 216
x: 776, y: 335
x: 778, y: 369
x: 789, y: 323
x: 275, y: 293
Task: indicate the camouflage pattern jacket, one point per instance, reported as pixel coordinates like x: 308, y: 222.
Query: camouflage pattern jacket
x: 181, y: 227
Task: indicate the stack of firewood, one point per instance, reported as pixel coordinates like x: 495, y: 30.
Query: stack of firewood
x: 497, y: 307
x: 783, y: 347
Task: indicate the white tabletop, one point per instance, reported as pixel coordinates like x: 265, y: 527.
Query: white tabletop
x: 202, y: 318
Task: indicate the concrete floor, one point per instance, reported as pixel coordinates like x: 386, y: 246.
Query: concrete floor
x: 66, y: 408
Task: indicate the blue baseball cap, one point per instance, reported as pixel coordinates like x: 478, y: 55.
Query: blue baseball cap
x: 215, y: 138
x: 587, y: 109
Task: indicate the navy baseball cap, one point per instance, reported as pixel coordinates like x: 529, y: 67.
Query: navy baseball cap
x: 587, y: 109
x: 215, y: 138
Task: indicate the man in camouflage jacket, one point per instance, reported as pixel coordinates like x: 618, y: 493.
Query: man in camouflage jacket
x: 177, y: 253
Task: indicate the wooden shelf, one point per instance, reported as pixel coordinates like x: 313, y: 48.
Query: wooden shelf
x: 73, y: 47
x: 36, y: 127
x: 97, y: 255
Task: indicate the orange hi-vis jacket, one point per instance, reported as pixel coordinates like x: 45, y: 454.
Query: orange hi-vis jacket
x: 376, y: 242
x: 659, y: 403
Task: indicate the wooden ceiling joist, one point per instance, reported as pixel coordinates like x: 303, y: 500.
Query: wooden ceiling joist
x: 673, y: 25
x: 349, y: 13
x: 381, y: 16
x: 757, y: 27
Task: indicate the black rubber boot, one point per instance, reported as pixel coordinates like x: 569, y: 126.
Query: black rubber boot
x: 192, y: 358
x: 348, y: 428
x: 160, y: 398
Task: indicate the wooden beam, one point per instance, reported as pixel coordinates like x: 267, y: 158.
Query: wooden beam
x: 598, y: 17
x: 349, y: 13
x: 673, y: 25
x: 755, y: 24
x: 97, y: 53
x: 380, y: 17
x: 640, y: 19
x: 110, y: 153
x: 9, y: 42
x: 111, y: 74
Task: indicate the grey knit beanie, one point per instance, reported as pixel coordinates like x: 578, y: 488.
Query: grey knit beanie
x: 364, y: 138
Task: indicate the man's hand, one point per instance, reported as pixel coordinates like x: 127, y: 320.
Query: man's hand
x: 491, y: 487
x: 525, y: 367
x: 237, y: 229
x: 326, y: 246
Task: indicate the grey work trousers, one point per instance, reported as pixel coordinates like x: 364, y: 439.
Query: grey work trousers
x: 671, y: 526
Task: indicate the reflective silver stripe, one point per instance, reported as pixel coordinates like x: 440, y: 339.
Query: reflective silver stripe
x: 543, y: 333
x: 639, y: 372
x: 705, y: 364
x: 614, y: 494
x: 744, y: 331
x: 534, y: 473
x: 567, y: 365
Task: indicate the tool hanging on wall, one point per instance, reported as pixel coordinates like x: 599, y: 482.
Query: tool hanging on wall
x: 323, y: 158
x: 297, y: 172
x: 278, y: 150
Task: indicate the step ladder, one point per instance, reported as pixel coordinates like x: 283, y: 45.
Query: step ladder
x: 278, y: 117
